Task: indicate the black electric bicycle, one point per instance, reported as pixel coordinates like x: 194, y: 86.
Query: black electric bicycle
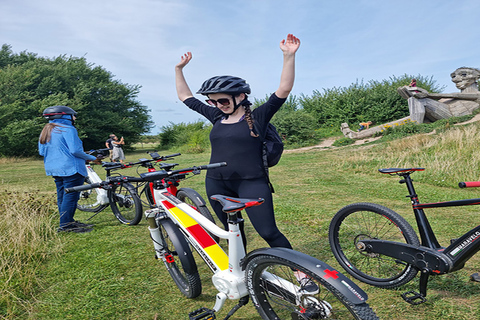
x: 379, y: 247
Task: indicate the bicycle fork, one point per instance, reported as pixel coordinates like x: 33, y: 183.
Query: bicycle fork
x: 154, y: 230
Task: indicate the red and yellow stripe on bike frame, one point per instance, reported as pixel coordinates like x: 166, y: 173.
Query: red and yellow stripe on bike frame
x: 213, y: 250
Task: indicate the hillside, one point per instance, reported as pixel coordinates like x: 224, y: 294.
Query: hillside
x: 110, y: 273
x: 328, y: 142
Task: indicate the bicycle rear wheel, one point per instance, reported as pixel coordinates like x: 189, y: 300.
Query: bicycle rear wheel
x: 178, y: 259
x: 276, y: 293
x: 90, y: 200
x: 195, y: 200
x: 125, y: 203
x: 371, y: 221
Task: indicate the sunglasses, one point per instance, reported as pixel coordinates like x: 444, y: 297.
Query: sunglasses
x: 222, y: 101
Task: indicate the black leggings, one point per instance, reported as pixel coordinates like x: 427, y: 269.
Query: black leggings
x: 262, y: 217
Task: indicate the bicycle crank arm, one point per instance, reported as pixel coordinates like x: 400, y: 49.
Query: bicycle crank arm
x: 423, y: 258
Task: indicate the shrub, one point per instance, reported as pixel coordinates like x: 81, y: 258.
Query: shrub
x: 191, y: 137
x: 296, y: 127
x: 377, y: 101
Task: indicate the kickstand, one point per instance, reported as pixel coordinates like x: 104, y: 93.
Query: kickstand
x: 243, y: 301
x: 93, y: 215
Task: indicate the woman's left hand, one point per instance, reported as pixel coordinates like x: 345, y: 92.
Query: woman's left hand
x: 290, y: 45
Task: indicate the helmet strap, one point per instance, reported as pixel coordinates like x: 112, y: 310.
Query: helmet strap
x: 236, y: 106
x: 72, y: 120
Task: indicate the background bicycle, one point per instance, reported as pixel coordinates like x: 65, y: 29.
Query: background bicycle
x: 122, y: 197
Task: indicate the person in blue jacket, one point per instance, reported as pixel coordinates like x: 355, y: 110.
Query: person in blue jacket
x: 64, y: 160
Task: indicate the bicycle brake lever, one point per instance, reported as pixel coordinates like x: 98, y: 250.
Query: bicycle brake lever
x: 105, y: 185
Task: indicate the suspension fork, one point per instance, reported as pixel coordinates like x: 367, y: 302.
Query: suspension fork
x: 154, y: 229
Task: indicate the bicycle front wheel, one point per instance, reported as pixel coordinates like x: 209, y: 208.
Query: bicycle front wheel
x: 91, y: 200
x: 125, y: 203
x: 276, y: 293
x: 178, y: 259
x: 360, y: 221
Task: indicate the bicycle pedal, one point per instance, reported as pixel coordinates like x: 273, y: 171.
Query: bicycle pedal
x: 414, y: 298
x: 202, y: 314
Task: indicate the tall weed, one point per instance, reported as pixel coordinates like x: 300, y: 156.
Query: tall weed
x: 449, y: 157
x: 27, y: 239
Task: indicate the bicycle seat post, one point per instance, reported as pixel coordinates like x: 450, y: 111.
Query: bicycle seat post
x: 427, y: 235
x: 236, y: 249
x: 411, y: 190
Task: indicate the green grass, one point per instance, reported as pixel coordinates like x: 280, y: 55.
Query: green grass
x: 111, y: 272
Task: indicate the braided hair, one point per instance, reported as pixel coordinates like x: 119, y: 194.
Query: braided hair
x: 248, y: 115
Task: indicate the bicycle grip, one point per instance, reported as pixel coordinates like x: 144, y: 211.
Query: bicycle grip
x: 213, y: 165
x: 83, y: 187
x: 172, y: 155
x: 469, y: 184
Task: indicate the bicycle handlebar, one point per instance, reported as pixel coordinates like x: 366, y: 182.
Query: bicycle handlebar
x: 113, y: 165
x: 83, y: 187
x: 161, y: 174
x: 155, y: 157
x: 99, y: 151
x: 148, y: 176
x: 211, y: 166
x: 469, y: 184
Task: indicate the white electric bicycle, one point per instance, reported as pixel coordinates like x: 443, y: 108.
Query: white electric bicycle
x: 269, y: 276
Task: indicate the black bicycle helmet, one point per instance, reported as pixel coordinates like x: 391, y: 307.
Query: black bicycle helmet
x: 56, y: 112
x: 224, y: 84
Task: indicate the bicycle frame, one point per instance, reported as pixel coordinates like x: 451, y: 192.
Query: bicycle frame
x: 461, y: 249
x: 102, y: 194
x: 228, y: 275
x: 102, y: 197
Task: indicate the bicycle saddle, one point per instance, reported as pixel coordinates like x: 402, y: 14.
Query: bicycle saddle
x: 231, y: 204
x: 397, y: 170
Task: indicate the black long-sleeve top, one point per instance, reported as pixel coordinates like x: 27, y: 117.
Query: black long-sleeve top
x: 232, y: 142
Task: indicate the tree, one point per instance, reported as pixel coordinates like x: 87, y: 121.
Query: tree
x: 29, y: 84
x: 292, y: 122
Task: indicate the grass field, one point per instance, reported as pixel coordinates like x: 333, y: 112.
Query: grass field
x: 111, y: 272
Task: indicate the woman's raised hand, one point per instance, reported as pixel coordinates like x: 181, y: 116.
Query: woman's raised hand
x: 290, y: 45
x: 185, y: 59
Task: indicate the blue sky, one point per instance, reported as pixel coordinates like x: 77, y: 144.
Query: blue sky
x: 140, y: 41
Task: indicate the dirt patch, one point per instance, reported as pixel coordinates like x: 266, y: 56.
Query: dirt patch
x: 474, y: 119
x: 327, y: 144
